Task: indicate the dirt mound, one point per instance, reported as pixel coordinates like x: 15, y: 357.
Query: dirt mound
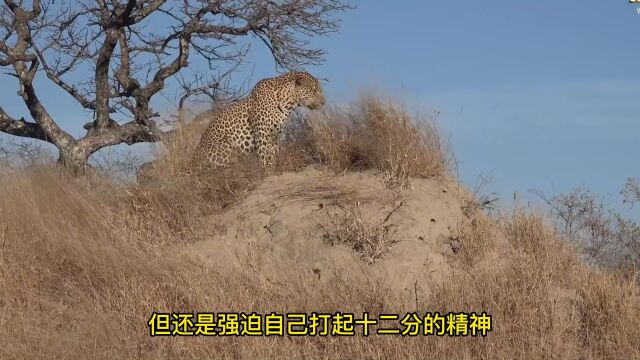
x: 314, y: 225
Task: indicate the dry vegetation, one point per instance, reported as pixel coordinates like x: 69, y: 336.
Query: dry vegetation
x: 84, y: 263
x: 371, y: 239
x: 606, y: 237
x: 371, y: 134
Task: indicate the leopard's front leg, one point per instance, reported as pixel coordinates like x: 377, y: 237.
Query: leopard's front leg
x: 266, y: 148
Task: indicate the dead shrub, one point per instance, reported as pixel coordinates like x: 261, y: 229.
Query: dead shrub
x: 606, y: 237
x: 371, y: 134
x: 201, y: 193
x: 529, y: 233
x: 399, y: 145
x: 370, y: 239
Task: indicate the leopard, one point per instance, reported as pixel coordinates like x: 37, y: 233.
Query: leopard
x: 253, y: 124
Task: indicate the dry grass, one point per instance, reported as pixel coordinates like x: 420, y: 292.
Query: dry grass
x: 83, y: 268
x: 346, y: 226
x: 371, y: 134
x: 474, y: 237
x: 201, y: 192
x: 84, y: 263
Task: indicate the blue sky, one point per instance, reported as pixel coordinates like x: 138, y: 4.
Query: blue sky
x: 542, y: 92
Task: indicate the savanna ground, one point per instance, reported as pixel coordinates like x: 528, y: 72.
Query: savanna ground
x: 85, y: 261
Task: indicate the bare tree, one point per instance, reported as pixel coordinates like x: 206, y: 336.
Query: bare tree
x: 606, y: 237
x: 131, y: 49
x: 576, y: 210
x: 631, y: 191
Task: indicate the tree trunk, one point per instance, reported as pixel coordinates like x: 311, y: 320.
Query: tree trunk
x: 74, y: 159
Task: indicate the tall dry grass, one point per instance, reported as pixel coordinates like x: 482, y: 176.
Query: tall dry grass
x: 84, y: 263
x: 83, y: 268
x: 372, y: 133
x: 202, y: 191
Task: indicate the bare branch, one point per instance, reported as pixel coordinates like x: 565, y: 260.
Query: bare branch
x: 20, y: 127
x: 148, y: 10
x: 25, y: 75
x: 87, y: 104
x: 129, y: 133
x: 213, y: 88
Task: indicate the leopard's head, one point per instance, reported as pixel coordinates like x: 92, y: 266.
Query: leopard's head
x: 308, y: 91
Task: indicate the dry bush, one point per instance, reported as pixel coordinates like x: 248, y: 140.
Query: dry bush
x: 529, y: 234
x: 371, y: 239
x: 176, y: 151
x: 202, y: 192
x: 322, y: 137
x: 23, y: 153
x: 631, y: 191
x: 371, y: 134
x: 328, y: 192
x: 392, y: 141
x: 474, y: 236
x: 605, y: 237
